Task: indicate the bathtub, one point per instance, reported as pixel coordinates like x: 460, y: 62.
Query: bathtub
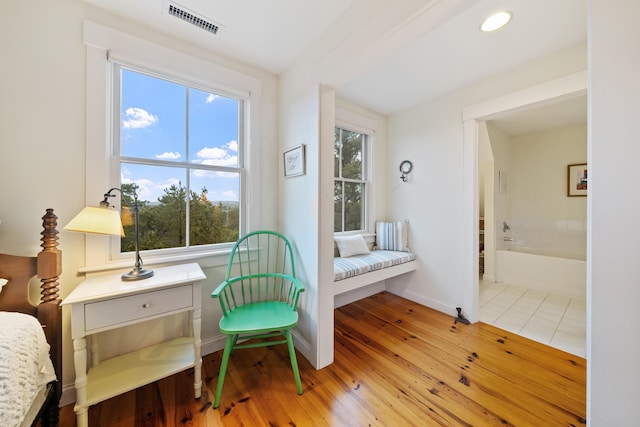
x: 559, y: 273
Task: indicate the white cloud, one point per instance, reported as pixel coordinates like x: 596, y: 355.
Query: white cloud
x: 148, y: 189
x: 200, y: 173
x: 233, y: 145
x: 125, y: 173
x: 217, y: 156
x: 212, y: 153
x: 145, y: 187
x: 168, y: 183
x: 138, y: 118
x: 231, y: 195
x: 212, y: 97
x: 169, y: 155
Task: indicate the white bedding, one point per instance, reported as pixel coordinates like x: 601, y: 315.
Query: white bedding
x: 25, y: 365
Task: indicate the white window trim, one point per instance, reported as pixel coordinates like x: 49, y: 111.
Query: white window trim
x: 102, y: 41
x: 355, y: 122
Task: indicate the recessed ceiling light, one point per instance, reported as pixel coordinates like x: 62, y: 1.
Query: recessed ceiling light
x: 496, y: 21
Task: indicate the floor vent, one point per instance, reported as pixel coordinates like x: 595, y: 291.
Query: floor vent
x: 193, y: 19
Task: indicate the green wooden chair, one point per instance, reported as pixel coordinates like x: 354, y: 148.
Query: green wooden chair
x: 259, y: 298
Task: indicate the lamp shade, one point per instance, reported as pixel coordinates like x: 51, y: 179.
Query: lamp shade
x: 97, y: 220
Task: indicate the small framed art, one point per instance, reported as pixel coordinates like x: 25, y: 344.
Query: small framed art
x: 577, y: 180
x: 294, y: 161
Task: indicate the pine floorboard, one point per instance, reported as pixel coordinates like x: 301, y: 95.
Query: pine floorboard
x: 397, y: 363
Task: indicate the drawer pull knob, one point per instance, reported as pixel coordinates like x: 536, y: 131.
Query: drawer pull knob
x: 145, y: 305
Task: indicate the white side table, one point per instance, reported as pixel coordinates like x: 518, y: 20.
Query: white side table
x: 102, y: 303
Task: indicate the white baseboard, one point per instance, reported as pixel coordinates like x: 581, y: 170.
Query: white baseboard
x: 428, y: 302
x: 489, y: 278
x: 68, y: 395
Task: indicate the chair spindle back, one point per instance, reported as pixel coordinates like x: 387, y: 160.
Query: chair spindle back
x: 261, y: 268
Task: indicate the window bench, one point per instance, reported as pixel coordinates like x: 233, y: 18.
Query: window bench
x: 362, y: 270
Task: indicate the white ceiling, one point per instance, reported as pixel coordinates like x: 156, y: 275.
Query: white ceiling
x: 567, y: 112
x: 386, y: 55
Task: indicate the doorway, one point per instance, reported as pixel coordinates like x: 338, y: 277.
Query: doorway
x: 534, y: 280
x: 501, y: 110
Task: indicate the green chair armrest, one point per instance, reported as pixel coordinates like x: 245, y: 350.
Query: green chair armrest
x: 217, y: 291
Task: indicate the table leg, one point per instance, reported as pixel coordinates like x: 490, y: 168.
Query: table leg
x: 196, y: 352
x: 93, y: 348
x: 80, y: 362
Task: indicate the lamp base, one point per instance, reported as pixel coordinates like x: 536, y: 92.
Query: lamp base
x: 137, y: 274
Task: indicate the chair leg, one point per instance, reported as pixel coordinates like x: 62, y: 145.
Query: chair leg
x: 228, y: 347
x: 235, y: 341
x: 294, y: 361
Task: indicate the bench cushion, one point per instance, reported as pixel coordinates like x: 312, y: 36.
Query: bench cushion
x: 343, y: 268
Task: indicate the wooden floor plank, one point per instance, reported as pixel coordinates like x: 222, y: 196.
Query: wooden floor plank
x: 396, y: 363
x: 546, y: 381
x: 448, y: 375
x: 525, y: 376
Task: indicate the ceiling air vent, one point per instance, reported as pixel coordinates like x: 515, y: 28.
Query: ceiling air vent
x: 190, y: 17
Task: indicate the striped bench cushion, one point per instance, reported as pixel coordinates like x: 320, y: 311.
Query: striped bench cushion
x: 343, y: 268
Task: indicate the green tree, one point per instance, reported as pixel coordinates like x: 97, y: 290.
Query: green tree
x: 172, y: 216
x: 164, y: 224
x: 201, y: 227
x: 348, y: 152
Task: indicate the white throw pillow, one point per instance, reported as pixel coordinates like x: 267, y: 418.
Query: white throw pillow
x: 351, y: 245
x: 392, y: 236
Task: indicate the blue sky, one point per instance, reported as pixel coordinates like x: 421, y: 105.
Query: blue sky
x: 155, y: 126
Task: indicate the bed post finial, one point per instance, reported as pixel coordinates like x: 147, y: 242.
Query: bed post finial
x: 50, y: 258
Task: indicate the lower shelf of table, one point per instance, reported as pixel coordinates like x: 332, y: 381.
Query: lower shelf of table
x: 132, y: 370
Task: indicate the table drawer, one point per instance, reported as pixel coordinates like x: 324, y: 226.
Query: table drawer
x: 121, y: 310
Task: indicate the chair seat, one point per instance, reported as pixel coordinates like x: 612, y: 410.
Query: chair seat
x: 259, y: 317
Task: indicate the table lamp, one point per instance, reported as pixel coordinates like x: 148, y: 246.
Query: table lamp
x: 106, y: 220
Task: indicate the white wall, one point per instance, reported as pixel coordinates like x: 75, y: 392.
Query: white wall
x: 41, y: 111
x: 539, y: 173
x: 302, y: 212
x: 535, y: 204
x: 42, y: 134
x: 613, y: 343
x: 431, y: 135
x: 427, y: 136
x: 502, y: 175
x: 486, y: 190
x: 500, y: 190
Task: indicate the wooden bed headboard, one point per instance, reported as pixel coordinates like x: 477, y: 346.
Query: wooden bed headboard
x: 47, y: 266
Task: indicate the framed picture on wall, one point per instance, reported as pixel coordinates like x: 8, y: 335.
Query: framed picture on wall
x: 294, y: 161
x: 577, y: 180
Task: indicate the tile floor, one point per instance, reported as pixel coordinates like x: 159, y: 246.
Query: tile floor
x: 557, y: 321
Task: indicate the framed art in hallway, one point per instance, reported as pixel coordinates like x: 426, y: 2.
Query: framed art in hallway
x: 294, y: 161
x: 577, y: 179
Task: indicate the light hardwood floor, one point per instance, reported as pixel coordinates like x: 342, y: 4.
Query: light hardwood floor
x: 397, y: 363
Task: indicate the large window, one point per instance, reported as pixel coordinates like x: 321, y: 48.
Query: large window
x: 350, y: 184
x: 179, y: 148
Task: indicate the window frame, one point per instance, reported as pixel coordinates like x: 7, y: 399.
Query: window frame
x: 117, y: 159
x: 105, y: 46
x: 366, y: 172
x: 358, y: 119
